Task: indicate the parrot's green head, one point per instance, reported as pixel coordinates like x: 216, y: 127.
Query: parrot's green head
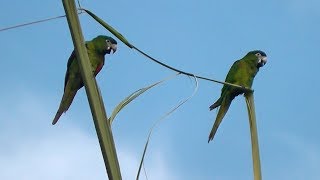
x: 260, y: 56
x: 105, y: 44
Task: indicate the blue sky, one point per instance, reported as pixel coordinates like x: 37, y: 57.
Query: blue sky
x: 204, y: 38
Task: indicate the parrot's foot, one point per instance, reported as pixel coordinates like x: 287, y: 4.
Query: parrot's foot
x: 246, y: 89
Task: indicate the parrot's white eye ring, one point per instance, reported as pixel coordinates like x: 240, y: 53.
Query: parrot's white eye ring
x: 258, y: 54
x: 107, y: 40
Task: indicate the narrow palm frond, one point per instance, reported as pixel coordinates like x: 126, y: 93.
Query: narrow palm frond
x: 133, y: 96
x: 254, y: 136
x: 162, y: 118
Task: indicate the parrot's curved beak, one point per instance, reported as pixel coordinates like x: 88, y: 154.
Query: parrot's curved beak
x: 262, y: 61
x: 114, y: 48
x: 111, y: 47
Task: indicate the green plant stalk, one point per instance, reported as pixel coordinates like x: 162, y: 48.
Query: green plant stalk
x: 254, y: 136
x: 95, y: 100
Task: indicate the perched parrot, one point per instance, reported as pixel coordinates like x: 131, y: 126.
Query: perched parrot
x: 97, y: 48
x: 242, y: 73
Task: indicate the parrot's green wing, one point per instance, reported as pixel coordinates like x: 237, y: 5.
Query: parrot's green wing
x: 231, y: 75
x: 233, y: 70
x: 71, y: 59
x: 226, y: 88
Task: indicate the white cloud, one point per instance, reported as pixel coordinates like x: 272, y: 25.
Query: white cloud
x: 33, y: 149
x: 156, y: 169
x: 63, y: 157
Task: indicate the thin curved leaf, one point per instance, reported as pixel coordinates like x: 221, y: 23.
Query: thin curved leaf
x: 133, y: 96
x: 162, y: 118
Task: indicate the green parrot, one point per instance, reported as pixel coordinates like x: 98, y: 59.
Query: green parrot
x: 97, y: 48
x: 242, y: 73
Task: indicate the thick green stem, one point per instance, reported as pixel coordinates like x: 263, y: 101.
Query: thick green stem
x: 95, y: 100
x: 254, y: 136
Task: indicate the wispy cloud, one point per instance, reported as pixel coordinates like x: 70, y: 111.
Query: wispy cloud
x: 33, y: 149
x: 157, y: 168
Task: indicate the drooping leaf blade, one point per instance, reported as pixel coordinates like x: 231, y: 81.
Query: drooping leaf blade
x: 162, y: 118
x: 133, y: 96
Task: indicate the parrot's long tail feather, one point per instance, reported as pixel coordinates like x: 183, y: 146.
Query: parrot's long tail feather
x: 56, y: 118
x: 224, y: 106
x: 64, y: 105
x: 216, y: 104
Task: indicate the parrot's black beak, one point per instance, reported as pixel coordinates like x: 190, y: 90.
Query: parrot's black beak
x: 262, y: 61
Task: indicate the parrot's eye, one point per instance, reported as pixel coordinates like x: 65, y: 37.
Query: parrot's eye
x: 107, y: 41
x: 258, y: 54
